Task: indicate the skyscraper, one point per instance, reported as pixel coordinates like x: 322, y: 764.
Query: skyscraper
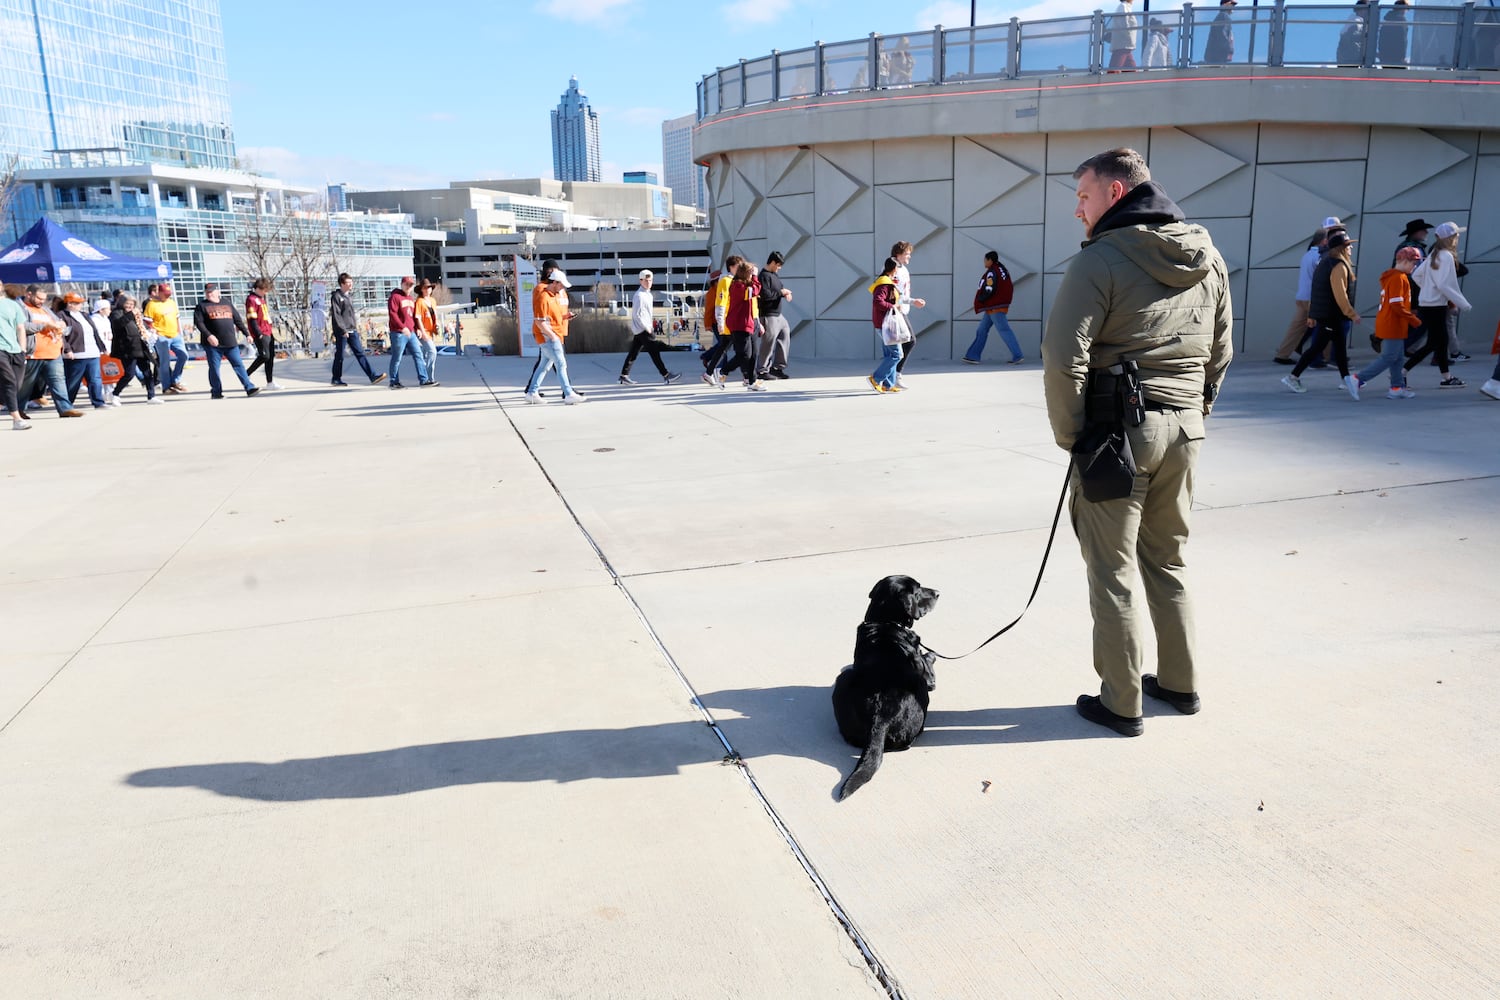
x: 144, y: 76
x: 575, y: 137
x: 683, y: 176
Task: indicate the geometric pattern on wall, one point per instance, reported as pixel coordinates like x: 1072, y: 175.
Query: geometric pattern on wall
x: 917, y: 213
x: 1402, y: 163
x: 1482, y: 241
x: 843, y: 201
x: 1296, y: 197
x: 1188, y: 167
x: 788, y: 227
x: 843, y: 271
x: 983, y: 178
x: 1232, y: 239
x: 1063, y: 232
x: 789, y: 171
x: 749, y: 188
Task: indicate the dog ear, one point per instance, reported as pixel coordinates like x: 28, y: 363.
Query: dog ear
x: 911, y: 599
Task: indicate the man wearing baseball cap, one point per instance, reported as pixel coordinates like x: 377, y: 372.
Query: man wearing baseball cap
x: 642, y: 323
x: 549, y: 326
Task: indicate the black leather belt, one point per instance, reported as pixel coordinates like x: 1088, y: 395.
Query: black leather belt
x: 1157, y: 406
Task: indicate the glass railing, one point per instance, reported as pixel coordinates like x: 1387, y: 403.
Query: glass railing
x: 1366, y: 36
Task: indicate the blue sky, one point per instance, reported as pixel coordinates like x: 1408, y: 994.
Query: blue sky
x: 364, y: 93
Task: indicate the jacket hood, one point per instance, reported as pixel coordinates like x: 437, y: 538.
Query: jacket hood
x: 1148, y: 227
x: 882, y: 280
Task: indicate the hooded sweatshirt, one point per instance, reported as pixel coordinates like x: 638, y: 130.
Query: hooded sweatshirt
x: 1396, y: 316
x: 1146, y: 286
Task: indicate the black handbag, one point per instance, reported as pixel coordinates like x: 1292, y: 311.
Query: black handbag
x: 1106, y: 466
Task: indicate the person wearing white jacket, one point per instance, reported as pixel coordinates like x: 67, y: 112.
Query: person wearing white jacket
x: 642, y: 324
x: 1438, y: 278
x: 1122, y: 38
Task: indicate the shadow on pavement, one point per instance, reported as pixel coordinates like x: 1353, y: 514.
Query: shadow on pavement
x: 572, y: 755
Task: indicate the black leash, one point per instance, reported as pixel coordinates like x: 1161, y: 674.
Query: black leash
x: 1051, y: 536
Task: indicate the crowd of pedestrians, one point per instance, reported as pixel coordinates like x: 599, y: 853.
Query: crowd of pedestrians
x: 1420, y: 301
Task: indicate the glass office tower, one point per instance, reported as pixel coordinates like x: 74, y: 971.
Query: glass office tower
x: 144, y: 76
x: 575, y: 137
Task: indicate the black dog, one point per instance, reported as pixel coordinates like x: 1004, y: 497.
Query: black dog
x: 880, y: 701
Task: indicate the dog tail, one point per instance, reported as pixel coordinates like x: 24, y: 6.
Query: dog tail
x: 869, y: 761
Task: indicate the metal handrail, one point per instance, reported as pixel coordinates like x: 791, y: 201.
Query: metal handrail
x: 1439, y: 38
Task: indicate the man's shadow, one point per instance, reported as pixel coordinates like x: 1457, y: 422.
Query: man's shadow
x: 569, y: 755
x: 793, y: 720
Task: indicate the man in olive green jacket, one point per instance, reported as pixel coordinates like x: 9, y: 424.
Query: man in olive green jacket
x: 1150, y: 288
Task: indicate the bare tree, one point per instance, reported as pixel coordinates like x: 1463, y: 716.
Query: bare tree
x: 10, y: 187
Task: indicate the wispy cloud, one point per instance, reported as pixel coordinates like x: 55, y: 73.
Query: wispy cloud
x: 585, y: 11
x: 764, y: 12
x: 315, y: 171
x: 955, y: 13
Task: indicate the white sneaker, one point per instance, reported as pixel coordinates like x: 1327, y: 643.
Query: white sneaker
x: 112, y: 400
x: 154, y: 401
x: 1400, y: 392
x: 756, y: 387
x: 20, y: 425
x: 575, y: 398
x: 1293, y: 383
x: 1352, y: 384
x: 1491, y: 388
x: 901, y: 381
x: 534, y: 397
x: 273, y: 387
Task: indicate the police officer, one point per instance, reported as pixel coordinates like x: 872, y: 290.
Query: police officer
x: 1148, y: 291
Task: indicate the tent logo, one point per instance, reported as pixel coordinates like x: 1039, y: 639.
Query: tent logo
x: 19, y: 254
x: 64, y: 273
x: 82, y: 250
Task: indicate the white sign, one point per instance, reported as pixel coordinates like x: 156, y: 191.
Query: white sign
x: 318, y: 314
x: 525, y: 285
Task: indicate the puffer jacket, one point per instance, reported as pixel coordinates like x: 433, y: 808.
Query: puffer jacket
x: 1146, y: 286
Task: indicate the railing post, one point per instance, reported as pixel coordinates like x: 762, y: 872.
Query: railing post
x: 744, y: 94
x: 818, y: 68
x: 699, y: 88
x: 775, y: 75
x: 1371, y: 14
x: 1276, y: 52
x: 940, y: 55
x: 1097, y: 42
x: 1185, y: 38
x: 1012, y: 50
x: 872, y: 58
x: 1468, y: 24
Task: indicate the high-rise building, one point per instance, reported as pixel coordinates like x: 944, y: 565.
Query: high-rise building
x: 146, y: 77
x: 687, y: 180
x: 640, y: 177
x: 575, y: 137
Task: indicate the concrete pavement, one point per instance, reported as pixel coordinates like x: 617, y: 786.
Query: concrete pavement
x: 357, y: 693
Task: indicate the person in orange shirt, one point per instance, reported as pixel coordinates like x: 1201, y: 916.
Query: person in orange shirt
x: 46, y: 364
x: 550, y: 327
x: 427, y: 328
x: 1394, y: 322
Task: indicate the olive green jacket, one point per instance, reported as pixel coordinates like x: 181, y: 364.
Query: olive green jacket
x: 1157, y: 294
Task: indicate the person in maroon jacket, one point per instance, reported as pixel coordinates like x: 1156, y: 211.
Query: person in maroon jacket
x: 992, y: 302
x: 401, y: 312
x: 262, y: 334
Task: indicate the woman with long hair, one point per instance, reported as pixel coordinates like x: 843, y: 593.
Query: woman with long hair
x: 739, y: 320
x: 1438, y: 278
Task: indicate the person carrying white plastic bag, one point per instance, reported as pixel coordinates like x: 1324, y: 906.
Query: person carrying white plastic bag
x: 891, y: 323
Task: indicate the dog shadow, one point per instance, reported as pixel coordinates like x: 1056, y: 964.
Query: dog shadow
x: 796, y: 720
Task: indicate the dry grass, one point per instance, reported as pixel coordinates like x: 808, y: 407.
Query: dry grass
x: 588, y: 333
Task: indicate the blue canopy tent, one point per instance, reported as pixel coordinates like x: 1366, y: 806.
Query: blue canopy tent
x: 48, y: 252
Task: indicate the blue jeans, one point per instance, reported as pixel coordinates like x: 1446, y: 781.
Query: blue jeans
x: 78, y: 369
x: 885, y: 372
x: 551, y: 356
x: 232, y: 355
x: 401, y: 343
x: 1002, y: 327
x: 166, y: 350
x: 50, y: 372
x: 428, y: 352
x: 1392, y: 359
x: 356, y: 348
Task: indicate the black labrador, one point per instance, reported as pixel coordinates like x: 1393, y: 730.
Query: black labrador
x: 880, y: 701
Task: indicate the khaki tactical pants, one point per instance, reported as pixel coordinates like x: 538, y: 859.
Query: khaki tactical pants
x: 1143, y: 532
